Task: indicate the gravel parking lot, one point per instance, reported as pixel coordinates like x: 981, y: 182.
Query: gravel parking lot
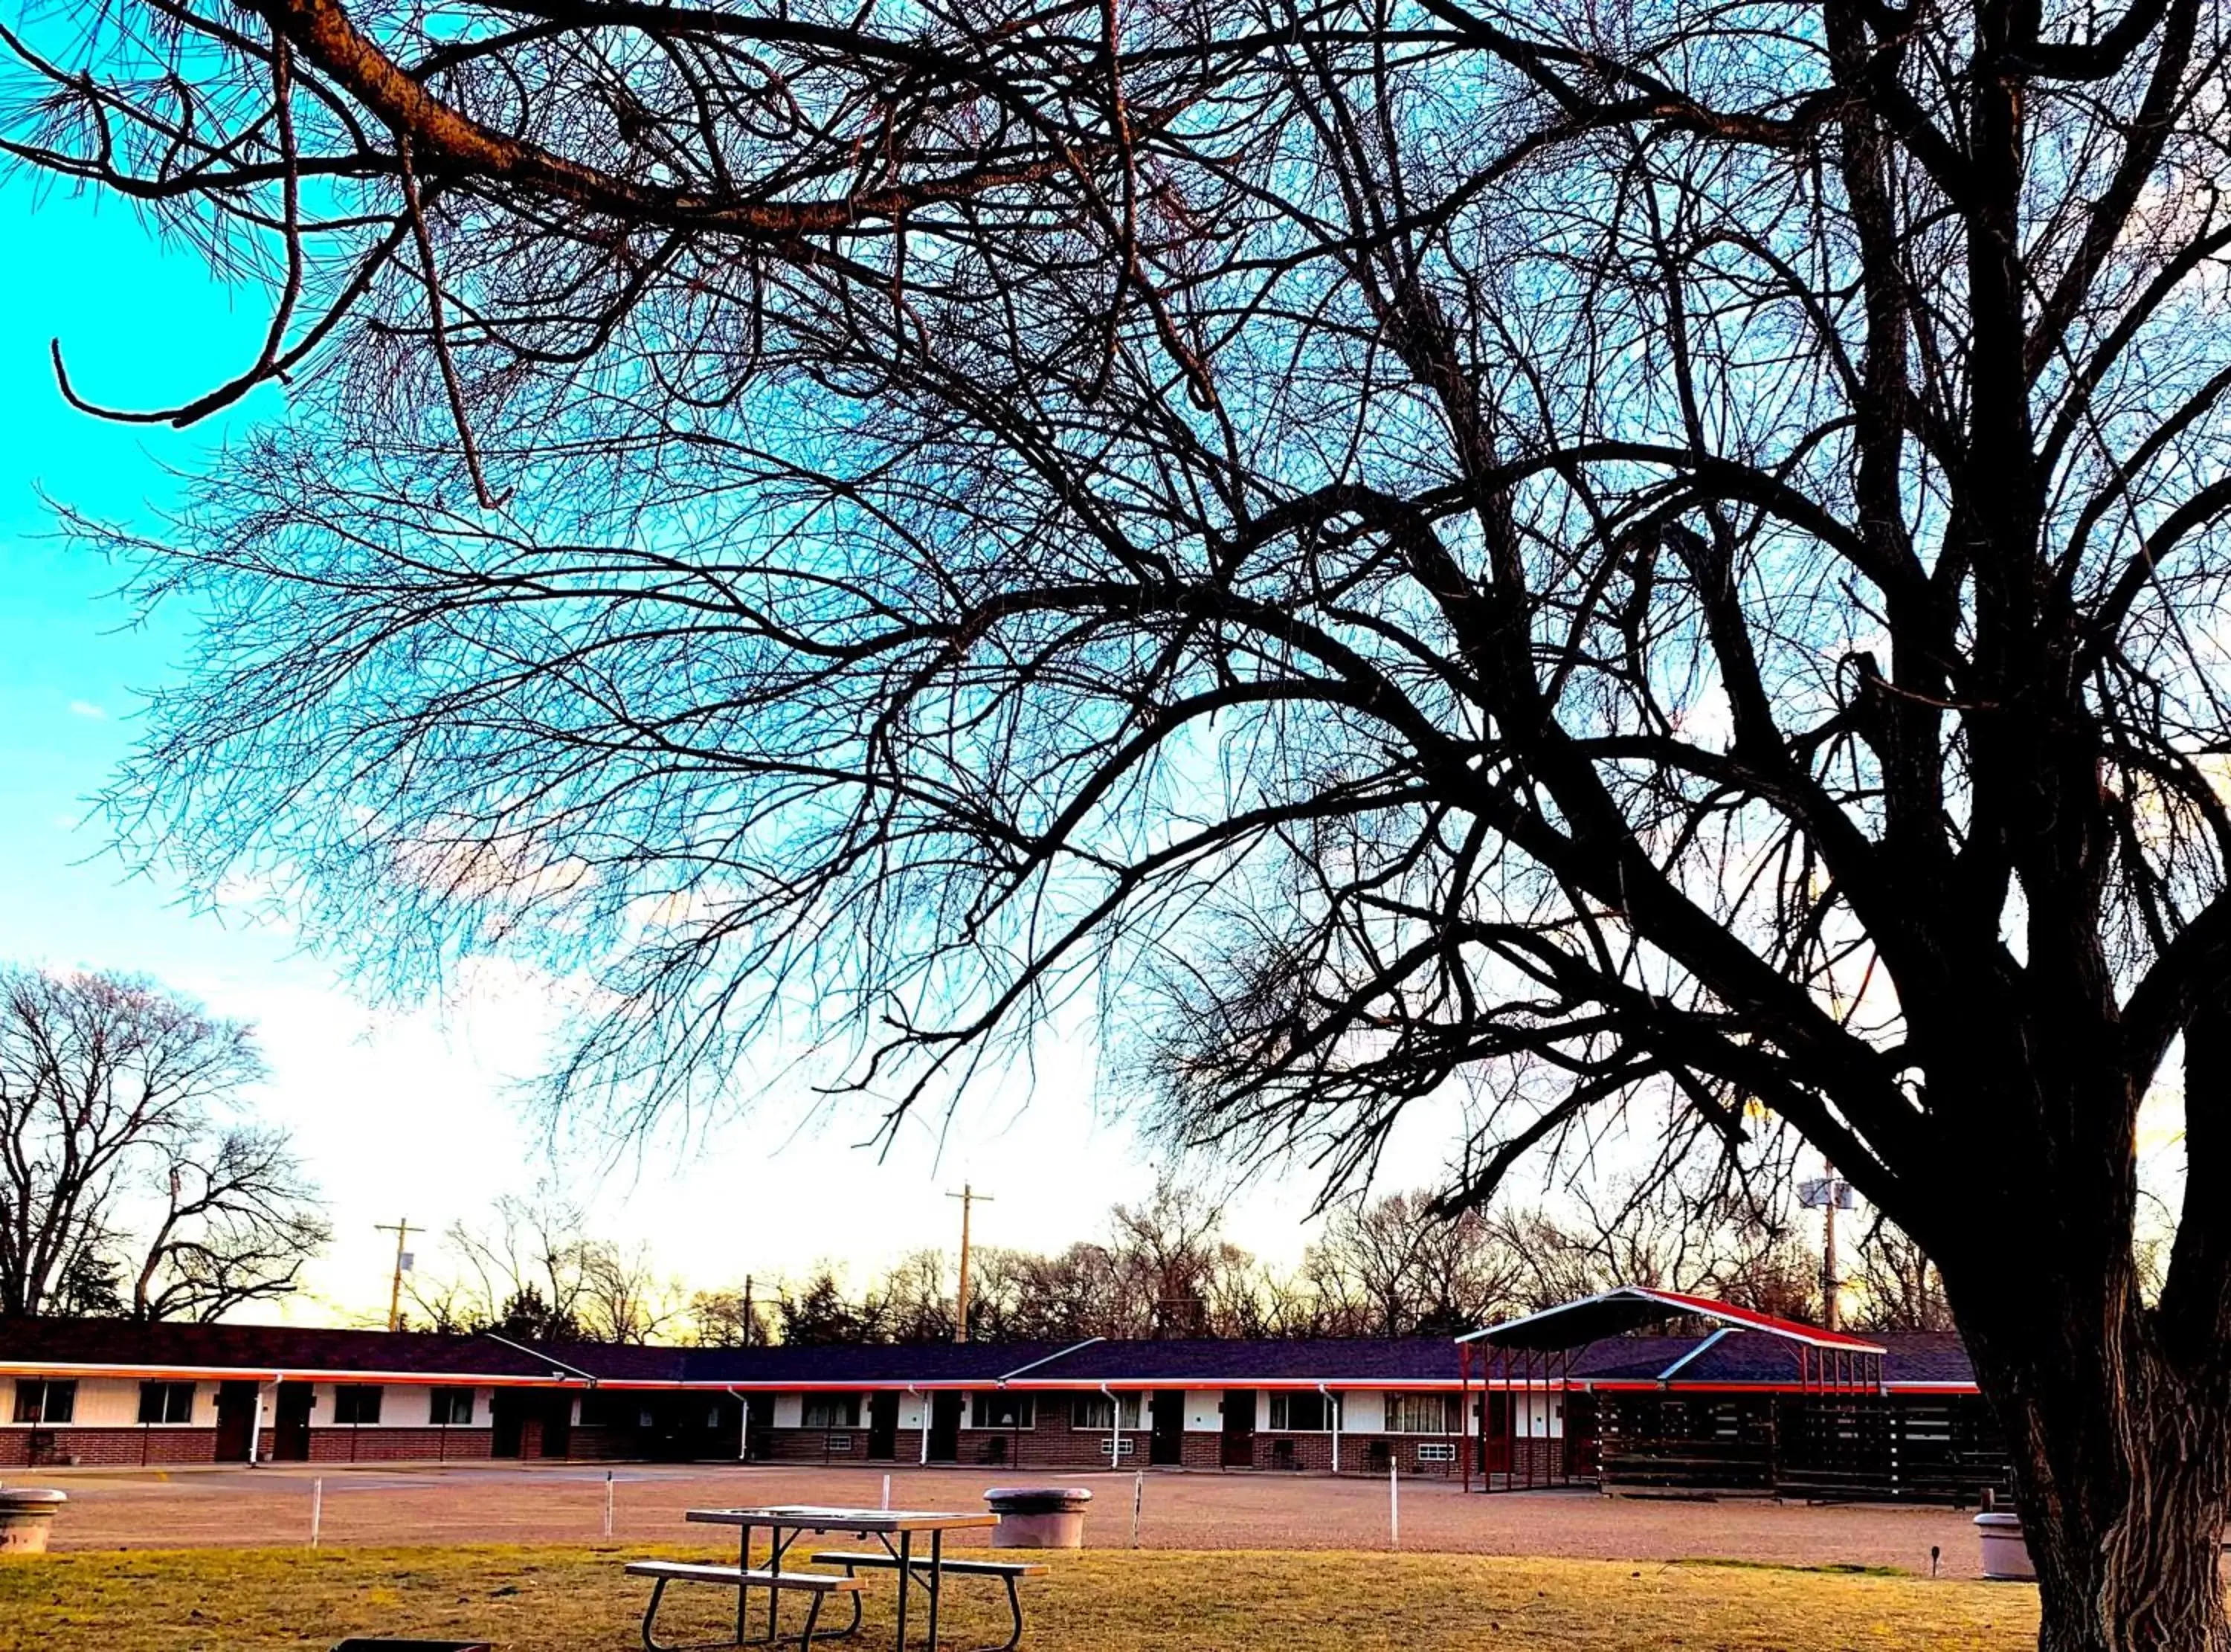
x: 563, y: 1503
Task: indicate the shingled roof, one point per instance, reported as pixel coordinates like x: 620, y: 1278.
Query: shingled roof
x: 193, y: 1349
x: 1736, y: 1356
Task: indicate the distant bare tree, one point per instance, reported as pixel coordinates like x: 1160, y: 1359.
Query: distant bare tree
x: 124, y: 1154
x: 917, y: 1299
x: 1399, y: 1267
x: 1019, y: 1295
x: 624, y: 1298
x: 1174, y: 1272
x: 233, y: 1223
x: 528, y: 1274
x: 727, y: 1319
x: 1897, y: 1286
x: 818, y: 1312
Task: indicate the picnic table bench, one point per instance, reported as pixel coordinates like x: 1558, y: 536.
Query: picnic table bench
x: 895, y: 1529
x: 1010, y: 1572
x: 818, y: 1585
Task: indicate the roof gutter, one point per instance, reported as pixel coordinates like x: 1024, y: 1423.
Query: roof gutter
x: 548, y: 1359
x: 1048, y: 1359
x: 1665, y: 1377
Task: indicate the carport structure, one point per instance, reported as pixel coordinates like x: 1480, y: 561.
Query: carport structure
x: 1575, y: 1394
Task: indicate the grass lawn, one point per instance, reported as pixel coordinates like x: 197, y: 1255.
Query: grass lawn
x: 576, y: 1600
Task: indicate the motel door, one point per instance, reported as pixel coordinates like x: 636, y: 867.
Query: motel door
x: 883, y: 1426
x: 1495, y: 1435
x: 290, y: 1429
x: 235, y: 1421
x: 1166, y: 1447
x: 532, y: 1423
x: 557, y: 1419
x: 944, y: 1427
x: 1238, y: 1427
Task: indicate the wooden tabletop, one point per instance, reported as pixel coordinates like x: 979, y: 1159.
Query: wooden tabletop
x: 814, y: 1517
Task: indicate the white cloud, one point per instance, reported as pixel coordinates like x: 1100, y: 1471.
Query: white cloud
x: 87, y: 709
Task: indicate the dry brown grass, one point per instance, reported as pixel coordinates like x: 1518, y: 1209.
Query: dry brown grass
x: 575, y: 1599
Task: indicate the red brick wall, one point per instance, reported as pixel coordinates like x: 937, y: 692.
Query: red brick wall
x: 391, y: 1444
x: 594, y: 1442
x: 811, y: 1445
x: 134, y: 1447
x: 1052, y: 1444
x: 107, y: 1447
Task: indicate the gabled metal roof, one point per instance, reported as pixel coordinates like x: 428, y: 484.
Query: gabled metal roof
x: 1630, y: 1307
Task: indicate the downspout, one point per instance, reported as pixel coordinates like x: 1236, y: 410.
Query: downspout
x: 924, y: 1398
x: 1332, y: 1410
x: 1115, y: 1428
x: 255, y: 1422
x: 744, y: 1427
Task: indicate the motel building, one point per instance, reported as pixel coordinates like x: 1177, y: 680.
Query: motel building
x: 1635, y: 1391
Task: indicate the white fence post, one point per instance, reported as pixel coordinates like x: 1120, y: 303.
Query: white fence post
x: 317, y: 1509
x: 1138, y: 1501
x: 887, y: 1492
x: 608, y: 1502
x: 1394, y: 1508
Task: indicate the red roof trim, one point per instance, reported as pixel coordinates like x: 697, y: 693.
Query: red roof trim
x: 1795, y: 1330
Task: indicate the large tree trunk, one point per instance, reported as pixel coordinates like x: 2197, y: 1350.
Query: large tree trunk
x: 2122, y: 1464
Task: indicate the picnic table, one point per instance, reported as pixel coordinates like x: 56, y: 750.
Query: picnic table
x: 895, y: 1529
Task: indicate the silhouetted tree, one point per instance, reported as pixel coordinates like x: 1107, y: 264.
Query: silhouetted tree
x: 132, y: 1179
x: 726, y: 1318
x: 818, y: 1312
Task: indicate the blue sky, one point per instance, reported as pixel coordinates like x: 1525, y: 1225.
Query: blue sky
x: 398, y: 1112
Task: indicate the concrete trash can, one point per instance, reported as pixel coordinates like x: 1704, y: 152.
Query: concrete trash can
x: 2006, y: 1557
x: 1039, y: 1517
x: 27, y: 1517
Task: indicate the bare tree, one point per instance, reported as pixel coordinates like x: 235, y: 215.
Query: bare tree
x: 527, y: 1275
x: 918, y: 1301
x: 235, y: 1222
x: 123, y: 1152
x: 1166, y: 1254
x: 1897, y: 1285
x: 1649, y: 558
x: 1399, y: 1267
x: 728, y: 1318
x: 624, y: 1298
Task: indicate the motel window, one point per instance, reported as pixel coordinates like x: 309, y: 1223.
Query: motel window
x: 45, y: 1399
x: 1422, y: 1413
x: 1436, y: 1451
x: 831, y: 1411
x: 1300, y: 1413
x: 166, y: 1402
x: 451, y: 1407
x: 356, y: 1403
x: 1001, y: 1411
x: 1097, y: 1411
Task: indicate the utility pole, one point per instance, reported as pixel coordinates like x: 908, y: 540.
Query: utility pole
x: 1831, y: 1193
x: 747, y: 1310
x: 1830, y: 1286
x: 403, y: 1259
x: 969, y: 1197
